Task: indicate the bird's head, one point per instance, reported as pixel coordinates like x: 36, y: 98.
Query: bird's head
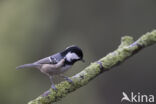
x: 72, y: 54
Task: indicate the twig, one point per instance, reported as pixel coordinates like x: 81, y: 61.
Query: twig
x: 126, y: 49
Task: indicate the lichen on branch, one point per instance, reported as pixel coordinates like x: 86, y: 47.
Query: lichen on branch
x: 126, y: 49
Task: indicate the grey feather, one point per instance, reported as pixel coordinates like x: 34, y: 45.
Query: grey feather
x: 48, y: 60
x: 28, y: 66
x: 54, y: 59
x: 43, y: 61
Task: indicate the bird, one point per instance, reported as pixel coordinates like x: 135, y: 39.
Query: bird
x: 57, y: 64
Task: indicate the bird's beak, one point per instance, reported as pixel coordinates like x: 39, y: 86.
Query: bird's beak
x: 83, y: 60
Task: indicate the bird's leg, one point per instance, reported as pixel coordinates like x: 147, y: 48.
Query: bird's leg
x: 67, y: 78
x: 52, y: 83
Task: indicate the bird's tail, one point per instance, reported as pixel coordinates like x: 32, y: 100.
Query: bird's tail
x: 28, y: 66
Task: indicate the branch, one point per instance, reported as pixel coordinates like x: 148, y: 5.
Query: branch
x: 126, y: 49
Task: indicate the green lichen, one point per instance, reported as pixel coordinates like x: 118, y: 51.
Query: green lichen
x: 125, y: 41
x: 148, y: 39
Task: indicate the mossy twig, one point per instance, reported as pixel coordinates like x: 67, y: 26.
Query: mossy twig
x: 126, y: 49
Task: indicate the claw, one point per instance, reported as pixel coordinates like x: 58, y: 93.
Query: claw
x: 46, y: 93
x: 53, y: 87
x: 68, y: 79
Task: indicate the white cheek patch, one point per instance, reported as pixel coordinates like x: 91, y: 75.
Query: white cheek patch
x: 70, y: 56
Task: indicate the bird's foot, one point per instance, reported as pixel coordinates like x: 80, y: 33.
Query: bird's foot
x: 53, y: 87
x: 46, y: 93
x: 68, y: 79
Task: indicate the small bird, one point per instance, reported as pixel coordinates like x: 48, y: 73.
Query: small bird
x: 57, y: 64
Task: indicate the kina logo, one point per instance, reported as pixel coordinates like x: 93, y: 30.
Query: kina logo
x: 140, y: 98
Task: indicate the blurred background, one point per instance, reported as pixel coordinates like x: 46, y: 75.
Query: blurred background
x: 33, y: 29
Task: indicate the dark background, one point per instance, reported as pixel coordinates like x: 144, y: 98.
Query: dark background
x: 33, y: 29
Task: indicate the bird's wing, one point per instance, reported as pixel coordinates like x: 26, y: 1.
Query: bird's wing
x: 53, y: 59
x: 47, y: 60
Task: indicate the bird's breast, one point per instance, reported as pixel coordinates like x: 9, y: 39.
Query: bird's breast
x: 54, y: 71
x: 61, y: 70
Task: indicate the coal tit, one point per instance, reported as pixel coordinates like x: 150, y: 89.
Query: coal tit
x: 57, y: 63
